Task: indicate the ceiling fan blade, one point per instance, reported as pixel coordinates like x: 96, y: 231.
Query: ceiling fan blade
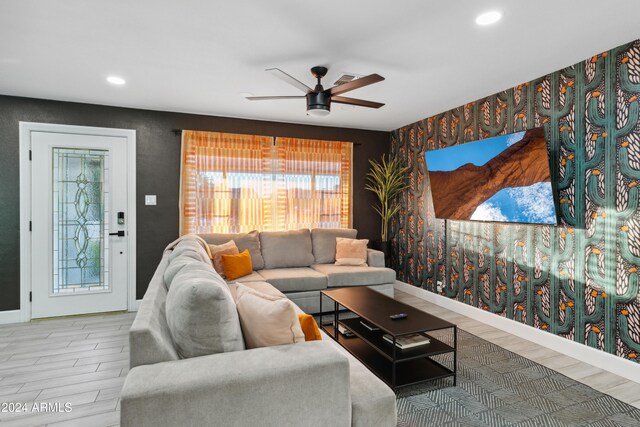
x: 277, y: 72
x: 265, y: 98
x: 353, y: 101
x: 355, y: 84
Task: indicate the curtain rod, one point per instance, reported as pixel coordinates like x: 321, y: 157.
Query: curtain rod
x: 178, y: 132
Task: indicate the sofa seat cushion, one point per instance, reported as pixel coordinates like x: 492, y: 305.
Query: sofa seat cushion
x: 253, y: 277
x: 373, y: 403
x: 286, y: 249
x: 295, y: 279
x: 201, y: 313
x: 324, y: 242
x: 345, y: 275
x: 261, y: 286
x: 249, y: 241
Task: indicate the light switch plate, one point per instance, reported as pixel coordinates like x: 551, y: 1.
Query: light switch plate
x: 150, y: 199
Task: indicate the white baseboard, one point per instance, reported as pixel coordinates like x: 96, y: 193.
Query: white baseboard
x: 135, y: 308
x: 609, y: 362
x: 15, y: 316
x: 11, y: 316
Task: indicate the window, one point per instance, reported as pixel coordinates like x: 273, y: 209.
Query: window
x: 236, y: 183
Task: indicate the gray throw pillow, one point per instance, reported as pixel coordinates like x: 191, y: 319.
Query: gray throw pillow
x: 286, y: 249
x: 324, y: 242
x: 201, y: 314
x: 249, y: 241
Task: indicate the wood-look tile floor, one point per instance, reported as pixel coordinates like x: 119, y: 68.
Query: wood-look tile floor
x: 80, y: 361
x: 83, y: 361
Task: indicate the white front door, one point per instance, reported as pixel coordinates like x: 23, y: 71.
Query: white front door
x: 79, y: 259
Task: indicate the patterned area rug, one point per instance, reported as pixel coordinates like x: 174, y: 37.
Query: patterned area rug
x: 499, y: 388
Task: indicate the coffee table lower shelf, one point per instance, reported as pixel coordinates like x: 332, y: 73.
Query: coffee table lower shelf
x: 408, y: 372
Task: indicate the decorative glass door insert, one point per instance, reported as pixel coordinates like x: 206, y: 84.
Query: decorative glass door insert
x: 80, y: 221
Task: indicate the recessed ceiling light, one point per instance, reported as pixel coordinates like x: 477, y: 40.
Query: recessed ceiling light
x: 489, y: 18
x: 115, y: 80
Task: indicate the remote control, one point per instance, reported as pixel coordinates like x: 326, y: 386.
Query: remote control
x: 398, y: 316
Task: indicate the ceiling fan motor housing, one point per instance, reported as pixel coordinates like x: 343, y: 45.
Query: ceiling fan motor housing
x: 318, y: 101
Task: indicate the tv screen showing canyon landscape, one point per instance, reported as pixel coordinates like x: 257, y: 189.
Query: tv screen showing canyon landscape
x: 505, y: 179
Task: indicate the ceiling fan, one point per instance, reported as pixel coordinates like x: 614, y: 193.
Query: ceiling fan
x: 319, y: 99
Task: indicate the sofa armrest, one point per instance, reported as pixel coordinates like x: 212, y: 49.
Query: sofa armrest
x: 375, y: 258
x: 305, y: 384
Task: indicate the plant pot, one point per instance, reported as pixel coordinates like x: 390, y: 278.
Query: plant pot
x: 385, y: 248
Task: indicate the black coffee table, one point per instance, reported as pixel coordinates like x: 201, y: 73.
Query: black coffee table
x: 396, y: 367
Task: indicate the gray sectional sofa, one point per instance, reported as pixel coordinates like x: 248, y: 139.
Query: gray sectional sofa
x: 301, y: 263
x: 314, y: 383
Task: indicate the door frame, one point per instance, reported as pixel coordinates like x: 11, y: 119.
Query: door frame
x: 26, y: 128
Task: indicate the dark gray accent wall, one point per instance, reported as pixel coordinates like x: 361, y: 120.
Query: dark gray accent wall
x: 158, y: 170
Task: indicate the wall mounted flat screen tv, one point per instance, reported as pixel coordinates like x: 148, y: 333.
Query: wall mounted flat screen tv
x: 505, y: 179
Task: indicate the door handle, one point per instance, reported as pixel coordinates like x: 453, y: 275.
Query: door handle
x: 119, y: 233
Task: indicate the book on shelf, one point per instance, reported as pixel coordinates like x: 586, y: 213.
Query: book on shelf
x: 369, y: 326
x: 343, y: 330
x: 408, y: 341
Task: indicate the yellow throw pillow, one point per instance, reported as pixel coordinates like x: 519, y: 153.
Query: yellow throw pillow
x: 217, y: 251
x: 309, y: 327
x: 351, y: 252
x: 236, y: 266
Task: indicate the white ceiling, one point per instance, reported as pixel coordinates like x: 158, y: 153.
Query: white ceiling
x: 198, y: 56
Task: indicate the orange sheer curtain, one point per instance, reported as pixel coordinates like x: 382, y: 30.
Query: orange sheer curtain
x: 313, y: 184
x: 236, y: 183
x: 226, y: 182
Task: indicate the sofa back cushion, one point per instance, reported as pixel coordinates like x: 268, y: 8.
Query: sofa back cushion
x: 149, y: 336
x: 324, y: 242
x: 201, y: 313
x: 186, y: 252
x: 175, y: 266
x: 286, y: 249
x: 190, y: 248
x: 249, y: 241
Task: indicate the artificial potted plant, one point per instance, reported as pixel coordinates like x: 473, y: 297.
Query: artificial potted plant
x: 387, y: 179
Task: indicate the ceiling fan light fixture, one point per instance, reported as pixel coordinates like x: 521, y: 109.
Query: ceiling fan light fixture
x: 318, y: 104
x: 319, y: 111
